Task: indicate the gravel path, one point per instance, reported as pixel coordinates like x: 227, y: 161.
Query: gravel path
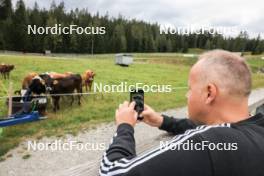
x: 24, y: 162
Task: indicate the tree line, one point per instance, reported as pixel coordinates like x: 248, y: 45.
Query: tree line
x: 122, y: 35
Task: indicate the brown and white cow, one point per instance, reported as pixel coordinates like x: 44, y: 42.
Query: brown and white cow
x: 87, y: 79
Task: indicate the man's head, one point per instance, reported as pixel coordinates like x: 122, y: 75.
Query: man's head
x: 219, y: 85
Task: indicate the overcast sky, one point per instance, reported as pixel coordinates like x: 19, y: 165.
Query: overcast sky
x: 233, y: 14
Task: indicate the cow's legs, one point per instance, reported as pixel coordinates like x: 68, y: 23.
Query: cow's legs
x: 72, y: 99
x: 79, y: 99
x: 56, y: 103
x: 90, y: 87
x: 86, y: 87
x: 79, y: 96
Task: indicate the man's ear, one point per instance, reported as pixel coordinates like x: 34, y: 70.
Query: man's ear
x: 211, y: 93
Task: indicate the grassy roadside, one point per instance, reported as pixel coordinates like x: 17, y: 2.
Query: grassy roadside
x: 149, y: 69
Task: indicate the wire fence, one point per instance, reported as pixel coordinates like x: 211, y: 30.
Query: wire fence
x: 84, y: 93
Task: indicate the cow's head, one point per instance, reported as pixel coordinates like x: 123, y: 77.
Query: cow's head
x: 90, y: 75
x: 47, y: 80
x: 11, y: 67
x: 37, y: 85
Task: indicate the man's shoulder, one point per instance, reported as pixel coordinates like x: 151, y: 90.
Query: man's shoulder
x: 208, y: 132
x: 219, y: 133
x: 241, y: 133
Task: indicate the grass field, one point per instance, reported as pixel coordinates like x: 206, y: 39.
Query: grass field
x: 148, y: 69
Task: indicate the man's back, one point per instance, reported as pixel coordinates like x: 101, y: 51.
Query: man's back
x: 229, y: 149
x: 248, y: 159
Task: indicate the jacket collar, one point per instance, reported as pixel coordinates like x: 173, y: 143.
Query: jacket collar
x: 257, y: 119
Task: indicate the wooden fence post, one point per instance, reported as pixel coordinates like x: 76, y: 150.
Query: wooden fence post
x: 10, y: 95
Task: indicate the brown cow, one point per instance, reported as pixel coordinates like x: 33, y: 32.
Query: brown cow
x: 5, y: 70
x: 87, y: 79
x: 66, y: 85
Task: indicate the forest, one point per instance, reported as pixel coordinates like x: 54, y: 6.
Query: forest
x: 122, y: 35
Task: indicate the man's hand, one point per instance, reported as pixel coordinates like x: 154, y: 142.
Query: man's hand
x: 126, y: 114
x: 151, y: 117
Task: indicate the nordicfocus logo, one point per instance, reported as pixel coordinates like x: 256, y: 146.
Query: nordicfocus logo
x: 58, y: 29
x: 59, y: 145
x: 125, y: 87
x: 203, y: 145
x: 190, y: 29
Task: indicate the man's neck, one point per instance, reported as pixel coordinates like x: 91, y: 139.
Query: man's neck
x: 229, y: 113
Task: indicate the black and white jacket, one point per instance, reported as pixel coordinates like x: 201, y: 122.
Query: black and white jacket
x: 242, y: 154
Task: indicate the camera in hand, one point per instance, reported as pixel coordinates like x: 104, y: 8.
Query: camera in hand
x: 137, y: 95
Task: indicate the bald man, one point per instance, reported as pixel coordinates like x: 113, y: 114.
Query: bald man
x: 218, y: 139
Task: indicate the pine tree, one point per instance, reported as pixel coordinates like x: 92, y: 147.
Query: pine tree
x: 5, y: 9
x: 208, y: 45
x: 20, y: 37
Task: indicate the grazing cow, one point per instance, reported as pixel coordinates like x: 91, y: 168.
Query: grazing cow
x: 88, y: 77
x: 28, y: 79
x: 5, y: 70
x: 63, y: 85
